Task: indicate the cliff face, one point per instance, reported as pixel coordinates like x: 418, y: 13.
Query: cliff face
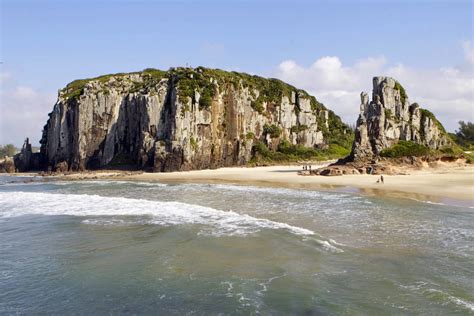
x: 389, y: 118
x: 181, y: 119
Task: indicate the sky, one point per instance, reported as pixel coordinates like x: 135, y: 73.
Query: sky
x: 332, y: 49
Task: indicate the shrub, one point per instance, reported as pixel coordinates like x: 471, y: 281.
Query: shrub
x: 193, y: 143
x: 403, y: 94
x: 250, y: 135
x: 205, y: 100
x: 298, y: 128
x: 405, y: 148
x: 272, y: 130
x: 257, y: 105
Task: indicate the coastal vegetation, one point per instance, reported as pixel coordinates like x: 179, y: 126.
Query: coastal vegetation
x: 404, y: 149
x: 287, y: 152
x: 7, y: 150
x: 464, y: 136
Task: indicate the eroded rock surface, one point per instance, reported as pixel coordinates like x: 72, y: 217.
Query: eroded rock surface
x: 181, y: 119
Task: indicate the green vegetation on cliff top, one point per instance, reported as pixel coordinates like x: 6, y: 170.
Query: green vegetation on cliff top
x: 203, y: 80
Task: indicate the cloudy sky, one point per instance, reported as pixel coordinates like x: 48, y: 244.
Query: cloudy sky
x: 330, y: 48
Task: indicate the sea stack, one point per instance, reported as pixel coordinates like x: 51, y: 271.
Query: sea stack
x: 389, y: 118
x: 390, y: 132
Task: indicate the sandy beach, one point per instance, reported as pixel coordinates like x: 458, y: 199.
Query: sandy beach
x: 443, y: 184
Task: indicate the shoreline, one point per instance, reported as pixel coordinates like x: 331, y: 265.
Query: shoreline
x: 449, y: 184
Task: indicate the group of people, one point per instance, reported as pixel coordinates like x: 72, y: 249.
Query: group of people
x: 380, y: 180
x: 306, y: 167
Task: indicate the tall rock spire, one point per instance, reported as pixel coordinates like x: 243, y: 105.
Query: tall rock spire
x: 389, y: 118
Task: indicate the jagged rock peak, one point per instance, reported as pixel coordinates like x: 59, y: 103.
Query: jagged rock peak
x: 389, y: 117
x: 180, y: 119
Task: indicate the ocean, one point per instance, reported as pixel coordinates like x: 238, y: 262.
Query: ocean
x: 118, y: 247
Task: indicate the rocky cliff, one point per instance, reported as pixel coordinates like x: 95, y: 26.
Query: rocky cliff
x: 180, y: 119
x: 390, y: 118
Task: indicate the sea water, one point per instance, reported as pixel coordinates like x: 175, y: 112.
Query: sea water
x: 117, y: 247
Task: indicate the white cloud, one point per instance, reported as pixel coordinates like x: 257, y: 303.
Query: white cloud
x: 468, y: 51
x: 23, y: 113
x: 4, y: 76
x: 448, y: 92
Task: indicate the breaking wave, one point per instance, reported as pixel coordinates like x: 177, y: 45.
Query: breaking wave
x: 15, y: 204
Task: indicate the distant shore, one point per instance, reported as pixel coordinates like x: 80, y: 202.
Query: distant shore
x: 450, y: 184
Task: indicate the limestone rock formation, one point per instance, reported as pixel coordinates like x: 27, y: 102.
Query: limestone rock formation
x: 389, y: 118
x: 181, y: 119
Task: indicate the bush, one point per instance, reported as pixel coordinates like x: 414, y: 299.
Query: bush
x: 298, y: 128
x: 193, y: 143
x: 288, y: 152
x: 205, y: 101
x: 272, y: 130
x: 257, y: 105
x: 404, y: 149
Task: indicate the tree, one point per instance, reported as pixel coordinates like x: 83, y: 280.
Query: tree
x: 7, y: 150
x: 466, y: 131
x: 464, y: 136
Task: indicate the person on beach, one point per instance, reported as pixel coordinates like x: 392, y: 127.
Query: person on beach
x: 381, y: 178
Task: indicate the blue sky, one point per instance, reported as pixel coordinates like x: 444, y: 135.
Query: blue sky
x: 46, y: 44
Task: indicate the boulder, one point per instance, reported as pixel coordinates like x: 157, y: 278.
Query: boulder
x: 7, y: 165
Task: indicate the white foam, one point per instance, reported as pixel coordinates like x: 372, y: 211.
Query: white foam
x: 453, y: 299
x: 300, y: 193
x: 426, y: 289
x: 14, y: 204
x: 111, y: 182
